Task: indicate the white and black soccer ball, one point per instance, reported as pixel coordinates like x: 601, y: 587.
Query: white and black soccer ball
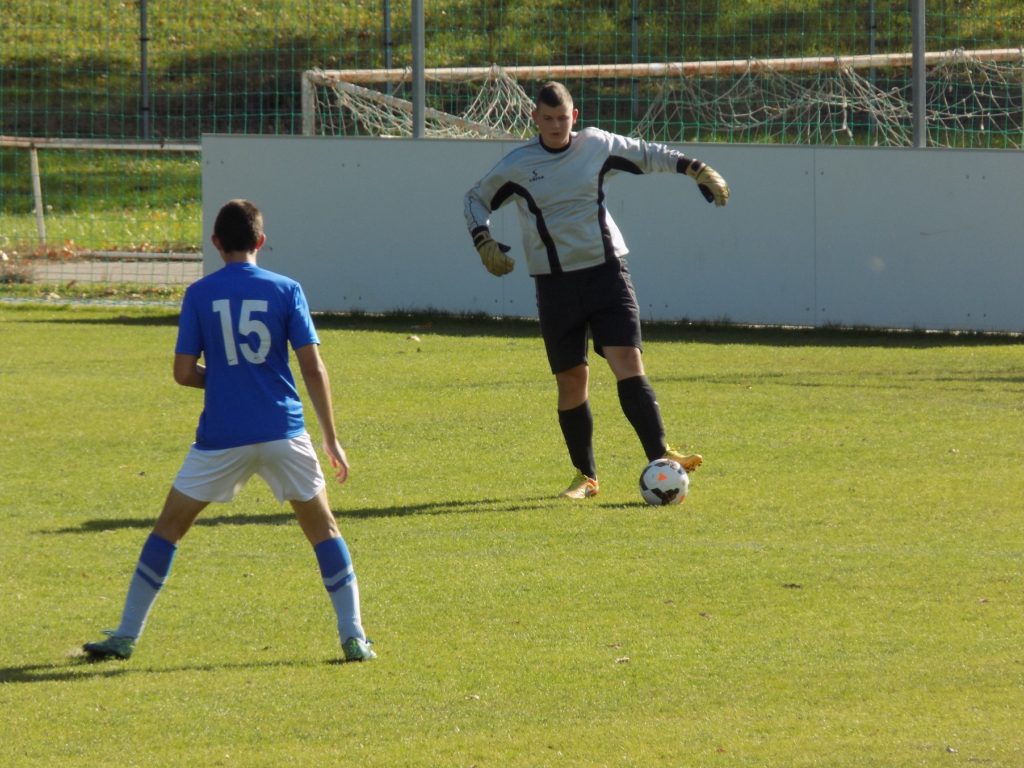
x: 664, y: 481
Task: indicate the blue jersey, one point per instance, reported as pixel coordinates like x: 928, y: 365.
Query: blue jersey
x: 241, y: 319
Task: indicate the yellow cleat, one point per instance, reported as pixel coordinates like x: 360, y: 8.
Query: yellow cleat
x: 581, y: 487
x: 688, y: 462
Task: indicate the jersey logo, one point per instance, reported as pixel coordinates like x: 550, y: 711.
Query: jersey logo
x: 534, y: 176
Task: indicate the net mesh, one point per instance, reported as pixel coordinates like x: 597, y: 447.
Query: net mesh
x: 495, y: 106
x: 973, y: 99
x: 968, y: 99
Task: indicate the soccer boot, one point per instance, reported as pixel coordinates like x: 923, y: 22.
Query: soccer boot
x: 357, y: 649
x: 688, y: 462
x: 113, y: 647
x: 581, y: 487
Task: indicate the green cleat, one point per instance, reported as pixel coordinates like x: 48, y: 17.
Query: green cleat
x: 113, y: 647
x: 688, y: 462
x: 357, y: 649
x: 581, y: 487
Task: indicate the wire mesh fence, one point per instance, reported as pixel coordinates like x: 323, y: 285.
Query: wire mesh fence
x: 138, y: 83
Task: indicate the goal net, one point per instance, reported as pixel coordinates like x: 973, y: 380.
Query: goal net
x: 973, y: 99
x: 470, y: 103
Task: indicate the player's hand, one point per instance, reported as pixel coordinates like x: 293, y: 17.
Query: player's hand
x: 493, y: 254
x: 709, y: 182
x: 338, y: 459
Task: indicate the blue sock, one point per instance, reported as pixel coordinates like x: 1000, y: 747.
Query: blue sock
x: 341, y: 585
x: 150, y: 575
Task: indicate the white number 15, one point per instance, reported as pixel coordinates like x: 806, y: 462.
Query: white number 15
x: 246, y: 326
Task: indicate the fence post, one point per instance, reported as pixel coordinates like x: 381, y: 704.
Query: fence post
x: 920, y: 115
x: 418, y: 86
x: 388, y: 43
x: 634, y: 89
x: 307, y: 99
x: 144, y: 68
x: 37, y: 193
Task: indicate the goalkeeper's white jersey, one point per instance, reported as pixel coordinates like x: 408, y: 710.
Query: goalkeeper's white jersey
x: 560, y: 196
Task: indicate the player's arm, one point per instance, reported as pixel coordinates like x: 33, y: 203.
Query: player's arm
x: 189, y: 372
x: 493, y: 255
x: 318, y: 385
x: 639, y: 156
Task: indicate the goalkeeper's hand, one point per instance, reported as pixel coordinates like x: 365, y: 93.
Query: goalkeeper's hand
x: 493, y: 254
x: 709, y: 182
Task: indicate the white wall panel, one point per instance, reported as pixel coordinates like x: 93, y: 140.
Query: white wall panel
x: 811, y: 236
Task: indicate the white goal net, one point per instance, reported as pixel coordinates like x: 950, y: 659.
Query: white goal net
x: 973, y: 98
x: 480, y: 103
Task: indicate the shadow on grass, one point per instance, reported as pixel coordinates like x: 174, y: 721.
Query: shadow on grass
x: 102, y: 525
x: 169, y: 318
x: 59, y: 673
x: 439, y: 323
x: 82, y: 668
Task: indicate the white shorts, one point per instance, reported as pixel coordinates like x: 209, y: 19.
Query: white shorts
x: 290, y: 467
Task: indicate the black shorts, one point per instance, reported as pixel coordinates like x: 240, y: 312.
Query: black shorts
x: 598, y: 302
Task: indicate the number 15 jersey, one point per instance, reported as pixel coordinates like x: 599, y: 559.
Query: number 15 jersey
x: 241, y: 320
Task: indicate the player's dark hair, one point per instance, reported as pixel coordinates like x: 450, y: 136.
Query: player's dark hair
x: 238, y: 226
x: 553, y: 94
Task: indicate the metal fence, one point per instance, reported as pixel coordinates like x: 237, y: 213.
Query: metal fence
x: 156, y: 76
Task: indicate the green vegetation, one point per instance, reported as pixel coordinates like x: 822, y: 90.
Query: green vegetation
x: 73, y: 70
x: 842, y: 588
x: 234, y: 66
x: 118, y: 201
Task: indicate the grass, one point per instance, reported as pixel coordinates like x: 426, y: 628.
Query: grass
x: 841, y: 588
x: 115, y: 201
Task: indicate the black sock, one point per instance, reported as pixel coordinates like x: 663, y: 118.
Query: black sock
x: 636, y: 395
x: 578, y: 429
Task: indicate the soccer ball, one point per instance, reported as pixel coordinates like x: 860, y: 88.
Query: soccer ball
x: 664, y: 481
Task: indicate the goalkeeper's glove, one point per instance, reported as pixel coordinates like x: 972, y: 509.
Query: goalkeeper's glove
x: 709, y: 182
x: 493, y: 254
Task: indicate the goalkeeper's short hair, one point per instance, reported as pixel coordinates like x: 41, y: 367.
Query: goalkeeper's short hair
x: 554, y: 94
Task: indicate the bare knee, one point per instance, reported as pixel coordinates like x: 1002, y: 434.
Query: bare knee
x: 625, y: 362
x: 316, y: 519
x: 178, y: 515
x: 572, y: 387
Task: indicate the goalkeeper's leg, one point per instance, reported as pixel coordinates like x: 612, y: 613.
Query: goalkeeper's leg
x: 577, y: 423
x: 640, y: 406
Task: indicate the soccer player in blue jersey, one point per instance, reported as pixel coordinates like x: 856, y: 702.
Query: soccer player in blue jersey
x: 241, y: 320
x: 576, y: 255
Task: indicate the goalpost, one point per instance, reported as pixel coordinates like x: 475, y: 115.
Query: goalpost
x: 974, y: 97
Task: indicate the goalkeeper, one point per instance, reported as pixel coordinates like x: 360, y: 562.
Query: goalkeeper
x: 576, y: 254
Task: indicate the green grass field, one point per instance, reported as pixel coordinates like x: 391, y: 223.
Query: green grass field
x: 843, y: 587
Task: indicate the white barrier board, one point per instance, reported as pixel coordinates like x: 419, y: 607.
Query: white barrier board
x: 812, y: 236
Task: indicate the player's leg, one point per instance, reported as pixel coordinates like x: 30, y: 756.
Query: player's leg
x: 564, y: 329
x: 338, y: 574
x: 205, y: 476
x: 640, y: 406
x: 577, y: 425
x: 293, y: 471
x: 615, y: 323
x: 637, y: 399
x: 151, y: 572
